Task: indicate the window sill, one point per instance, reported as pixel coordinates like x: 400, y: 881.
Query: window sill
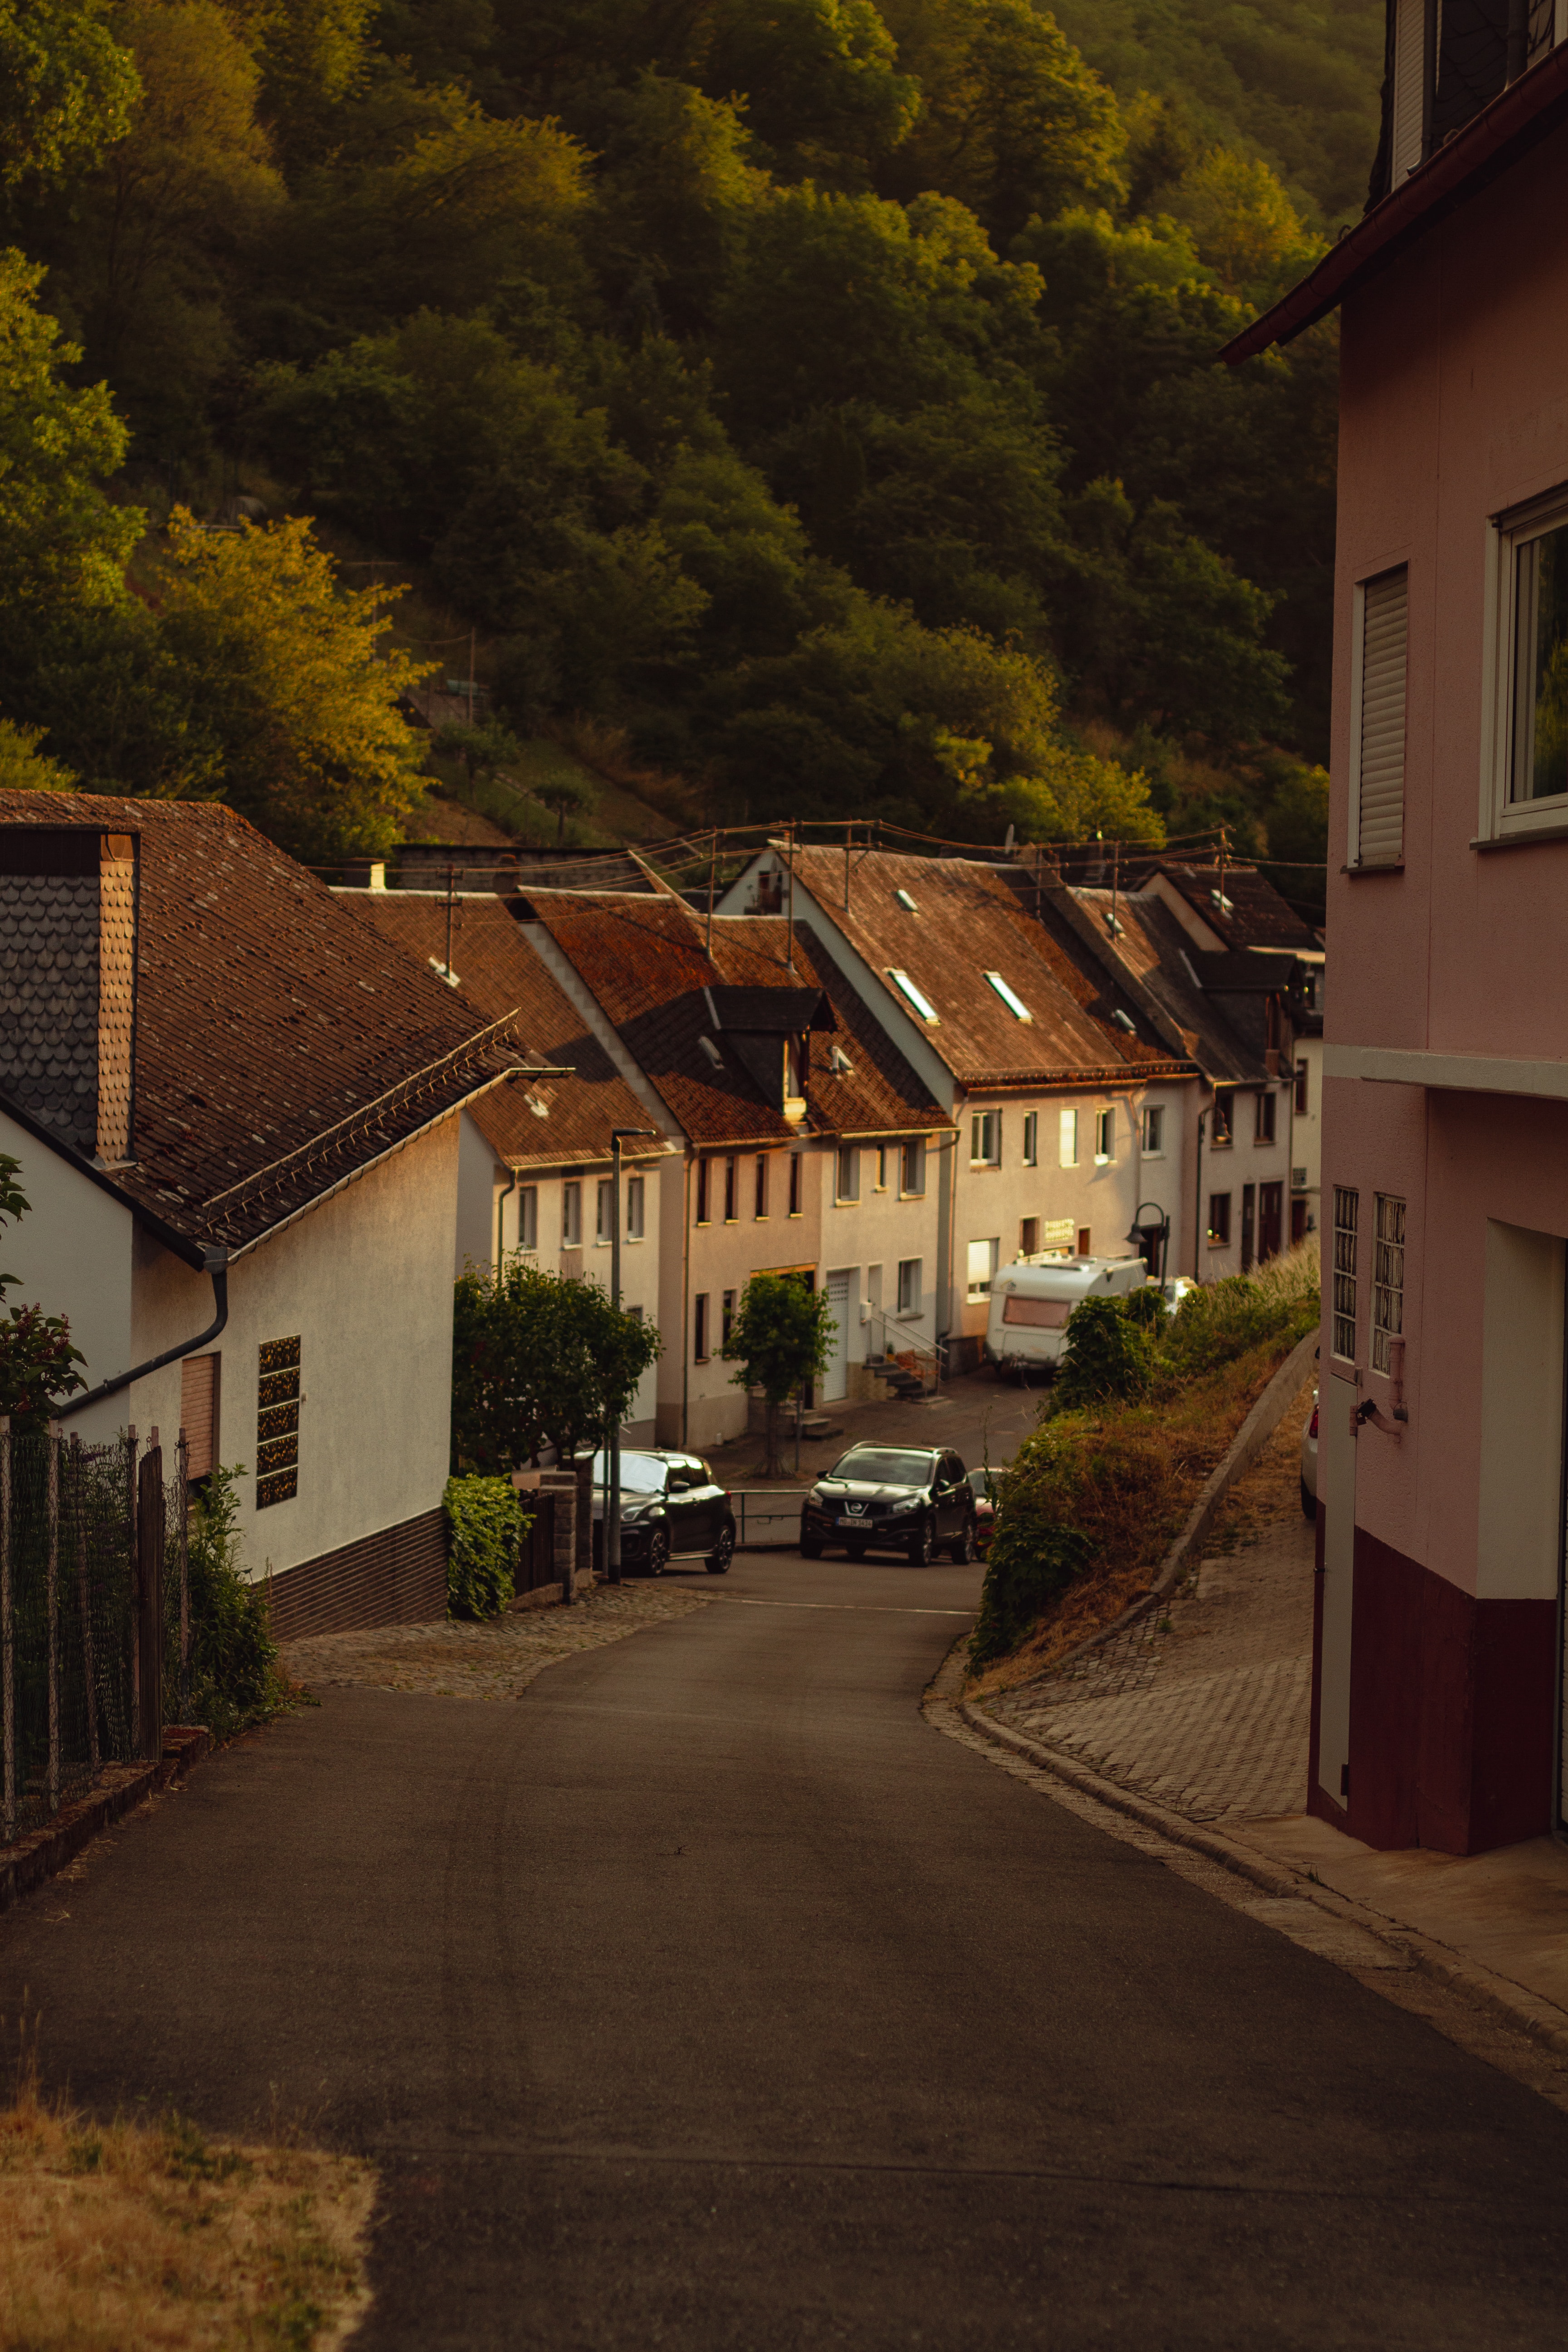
x: 1378, y: 866
x: 1525, y: 838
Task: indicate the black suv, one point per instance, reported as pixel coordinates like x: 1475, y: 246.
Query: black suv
x: 909, y: 1498
x: 672, y: 1509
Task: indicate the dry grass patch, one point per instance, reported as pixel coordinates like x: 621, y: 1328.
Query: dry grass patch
x: 132, y: 2238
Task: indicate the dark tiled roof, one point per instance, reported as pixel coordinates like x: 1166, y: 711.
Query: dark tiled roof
x: 283, y: 1045
x: 1255, y: 915
x: 972, y: 919
x: 646, y: 964
x: 496, y: 971
x: 1160, y: 959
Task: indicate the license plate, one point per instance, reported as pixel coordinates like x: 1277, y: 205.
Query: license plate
x: 859, y: 1523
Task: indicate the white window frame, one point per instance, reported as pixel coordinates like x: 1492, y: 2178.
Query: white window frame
x: 981, y: 1288
x: 1031, y: 1138
x: 1067, y: 1139
x: 1500, y: 818
x: 1105, y: 1137
x: 1154, y: 1127
x: 1010, y: 997
x: 572, y: 1214
x: 914, y: 995
x: 847, y: 1175
x: 985, y: 1138
x: 528, y: 1217
x: 910, y: 1282
x: 1389, y: 1229
x: 911, y: 1164
x: 1344, y: 1273
x: 604, y: 1210
x: 637, y: 1221
x: 1353, y: 857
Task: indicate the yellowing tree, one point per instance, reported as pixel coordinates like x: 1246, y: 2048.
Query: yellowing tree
x: 287, y: 670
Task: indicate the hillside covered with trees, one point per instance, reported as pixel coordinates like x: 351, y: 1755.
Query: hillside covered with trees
x: 822, y: 393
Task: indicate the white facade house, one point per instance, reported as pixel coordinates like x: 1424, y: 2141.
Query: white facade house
x: 239, y: 1142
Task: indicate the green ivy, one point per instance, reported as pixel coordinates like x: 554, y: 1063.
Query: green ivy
x: 486, y: 1524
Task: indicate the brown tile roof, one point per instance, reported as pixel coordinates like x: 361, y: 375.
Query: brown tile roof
x: 972, y: 918
x: 647, y: 965
x: 282, y: 1045
x: 497, y: 971
x: 1255, y: 915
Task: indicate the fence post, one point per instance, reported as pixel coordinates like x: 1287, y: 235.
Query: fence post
x: 7, y: 1640
x: 150, y: 1535
x: 184, y: 1458
x: 89, y: 1672
x: 52, y: 1601
x: 133, y: 1551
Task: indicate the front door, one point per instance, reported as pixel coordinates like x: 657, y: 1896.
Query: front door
x: 1248, y: 1226
x: 1270, y: 1199
x: 836, y: 1378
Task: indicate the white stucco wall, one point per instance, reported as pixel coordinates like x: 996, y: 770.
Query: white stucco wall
x: 868, y: 1238
x: 71, y: 1255
x: 365, y: 1282
x: 477, y: 1173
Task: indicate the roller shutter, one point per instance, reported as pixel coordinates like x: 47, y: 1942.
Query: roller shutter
x: 1380, y: 798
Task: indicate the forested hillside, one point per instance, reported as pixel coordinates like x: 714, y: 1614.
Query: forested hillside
x: 822, y: 393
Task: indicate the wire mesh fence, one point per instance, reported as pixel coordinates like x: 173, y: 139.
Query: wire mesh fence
x: 94, y: 1614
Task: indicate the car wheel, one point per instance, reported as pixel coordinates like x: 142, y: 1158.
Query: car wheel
x: 720, y: 1558
x: 1309, y: 1502
x: 810, y: 1548
x: 965, y: 1552
x: 922, y: 1545
x: 657, y: 1552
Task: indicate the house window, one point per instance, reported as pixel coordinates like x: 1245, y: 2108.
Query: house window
x: 846, y: 1174
x: 1347, y: 1216
x: 910, y: 1286
x: 1104, y: 1136
x: 882, y: 1168
x: 726, y: 1318
x: 1266, y: 1101
x: 528, y: 1217
x: 278, y: 1402
x: 1028, y: 1236
x: 700, y: 1328
x: 635, y: 1198
x: 912, y: 1169
x: 572, y: 1216
x: 1387, y: 1278
x: 1219, y: 1220
x: 605, y: 1209
x: 794, y: 1183
x: 760, y: 1206
x: 1377, y: 732
x: 1223, y: 1120
x: 985, y: 1139
x: 702, y: 1184
x: 1031, y: 1138
x: 1067, y: 1142
x: 1084, y: 1240
x: 199, y: 1396
x: 730, y: 1164
x: 1153, y: 1131
x: 1301, y: 1089
x: 982, y: 1262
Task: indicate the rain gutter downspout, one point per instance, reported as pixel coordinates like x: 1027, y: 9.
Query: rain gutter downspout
x: 501, y: 1199
x: 214, y: 1263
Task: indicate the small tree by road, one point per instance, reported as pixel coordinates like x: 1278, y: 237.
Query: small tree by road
x: 36, y: 1359
x: 780, y: 1339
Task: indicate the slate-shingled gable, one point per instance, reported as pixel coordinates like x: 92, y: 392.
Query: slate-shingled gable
x: 282, y: 1045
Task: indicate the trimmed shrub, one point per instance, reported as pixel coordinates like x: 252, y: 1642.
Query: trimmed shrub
x: 1107, y: 1354
x: 485, y: 1524
x: 236, y: 1677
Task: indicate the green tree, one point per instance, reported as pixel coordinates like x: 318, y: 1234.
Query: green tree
x: 37, y: 1358
x: 24, y: 769
x: 66, y: 88
x: 779, y: 1339
x: 1106, y: 1353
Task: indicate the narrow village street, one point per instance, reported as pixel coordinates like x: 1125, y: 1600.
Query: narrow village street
x: 704, y: 1996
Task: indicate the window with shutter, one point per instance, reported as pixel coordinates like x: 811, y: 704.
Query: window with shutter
x: 1379, y: 798
x: 198, y: 1413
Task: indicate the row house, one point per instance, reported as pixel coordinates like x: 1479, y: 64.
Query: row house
x: 535, y: 1160
x: 1224, y: 971
x: 237, y: 1111
x: 1063, y: 1096
x: 1438, y: 1689
x: 809, y: 1145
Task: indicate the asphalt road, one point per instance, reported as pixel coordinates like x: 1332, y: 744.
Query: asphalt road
x: 707, y: 1998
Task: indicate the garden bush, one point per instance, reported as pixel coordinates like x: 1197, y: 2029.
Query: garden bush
x: 1109, y: 1352
x: 485, y: 1524
x: 236, y: 1677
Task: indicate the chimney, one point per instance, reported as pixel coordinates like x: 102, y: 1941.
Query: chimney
x: 68, y: 983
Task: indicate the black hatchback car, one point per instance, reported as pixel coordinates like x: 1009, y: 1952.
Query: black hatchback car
x: 672, y: 1507
x: 913, y: 1499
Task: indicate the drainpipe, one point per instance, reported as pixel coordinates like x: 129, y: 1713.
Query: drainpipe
x: 501, y: 1199
x: 1198, y: 1203
x: 215, y: 1264
x: 686, y: 1298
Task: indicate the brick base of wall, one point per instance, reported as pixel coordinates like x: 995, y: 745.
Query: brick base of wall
x: 396, y: 1577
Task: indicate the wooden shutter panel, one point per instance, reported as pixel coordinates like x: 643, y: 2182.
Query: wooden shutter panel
x: 198, y: 1413
x: 1380, y: 801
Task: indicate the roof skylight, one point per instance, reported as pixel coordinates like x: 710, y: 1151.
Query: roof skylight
x: 906, y: 902
x: 712, y: 1050
x: 916, y: 996
x: 1010, y: 997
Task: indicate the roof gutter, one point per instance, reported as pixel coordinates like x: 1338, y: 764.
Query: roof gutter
x: 1517, y: 119
x: 216, y: 1267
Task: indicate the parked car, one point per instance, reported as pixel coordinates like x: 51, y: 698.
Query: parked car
x: 672, y: 1507
x: 1309, y: 1462
x: 983, y: 1486
x: 910, y: 1499
x: 1030, y: 1304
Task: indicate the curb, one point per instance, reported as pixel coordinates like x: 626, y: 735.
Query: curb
x: 1511, y: 2005
x: 44, y: 1854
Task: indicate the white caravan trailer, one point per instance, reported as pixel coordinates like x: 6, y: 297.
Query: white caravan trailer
x: 1030, y: 1303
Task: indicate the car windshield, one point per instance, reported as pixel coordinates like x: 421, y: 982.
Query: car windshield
x: 881, y: 1466
x: 641, y: 1473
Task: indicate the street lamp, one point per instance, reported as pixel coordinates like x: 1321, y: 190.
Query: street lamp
x: 612, y: 1435
x: 1138, y: 1235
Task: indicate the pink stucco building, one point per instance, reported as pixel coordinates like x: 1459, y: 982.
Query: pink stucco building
x: 1437, y: 1687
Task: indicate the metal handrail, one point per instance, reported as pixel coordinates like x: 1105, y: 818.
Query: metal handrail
x: 935, y: 1356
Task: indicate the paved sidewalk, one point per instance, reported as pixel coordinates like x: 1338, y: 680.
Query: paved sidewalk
x: 1204, y: 1709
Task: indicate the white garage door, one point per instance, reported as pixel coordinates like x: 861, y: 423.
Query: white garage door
x: 836, y: 1379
